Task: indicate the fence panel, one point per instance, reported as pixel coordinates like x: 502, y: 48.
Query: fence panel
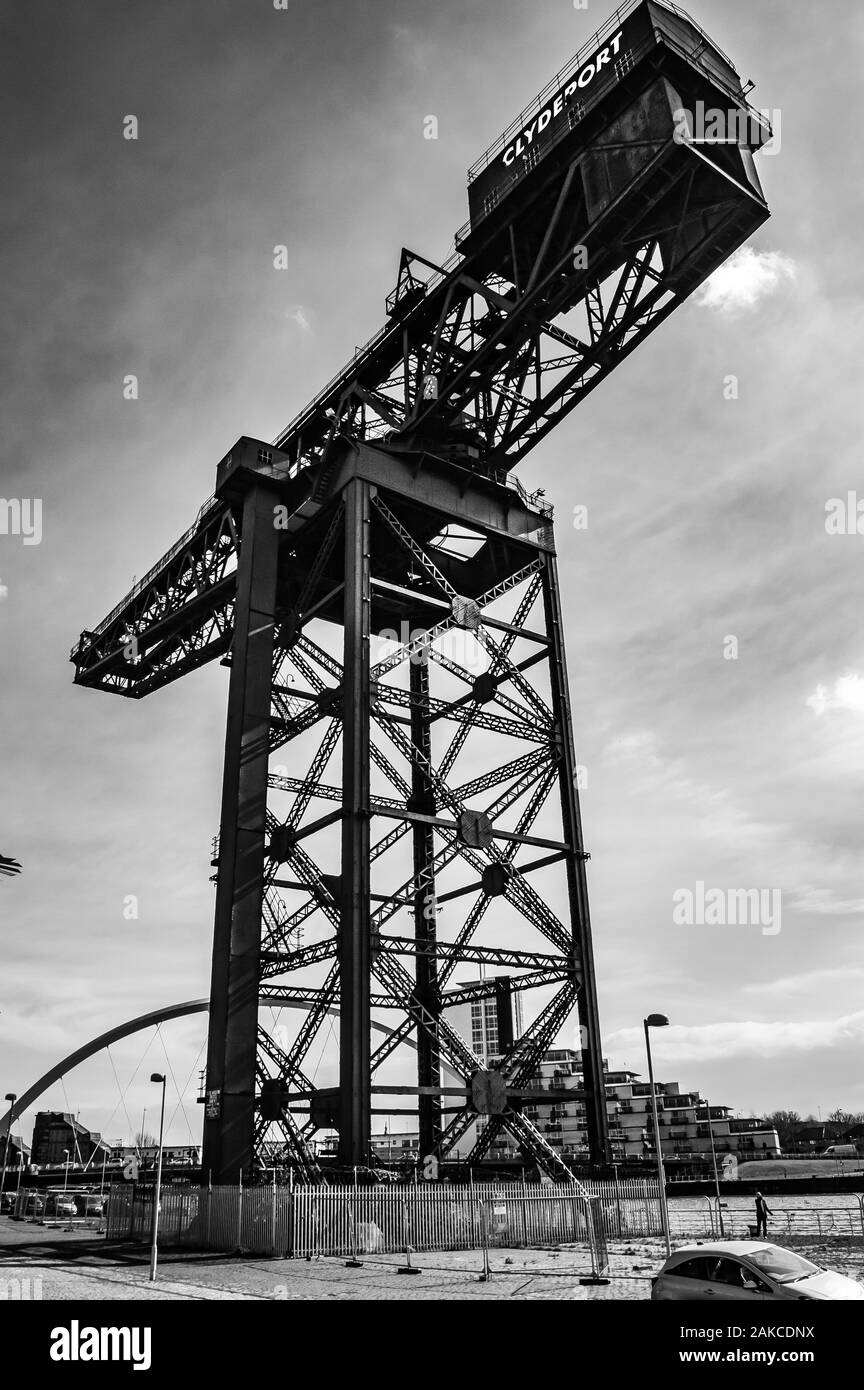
x: 349, y: 1220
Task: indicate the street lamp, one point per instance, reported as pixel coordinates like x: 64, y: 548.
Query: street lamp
x: 160, y: 1080
x: 658, y: 1021
x: 714, y: 1161
x: 11, y: 1097
x: 65, y: 1169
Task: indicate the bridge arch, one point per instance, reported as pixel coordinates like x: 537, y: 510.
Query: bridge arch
x: 138, y: 1025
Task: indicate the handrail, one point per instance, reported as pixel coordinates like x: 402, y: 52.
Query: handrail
x: 361, y: 354
x: 536, y: 501
x: 537, y: 103
x: 503, y: 186
x: 151, y: 574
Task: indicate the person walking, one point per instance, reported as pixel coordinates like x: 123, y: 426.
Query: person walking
x: 763, y: 1211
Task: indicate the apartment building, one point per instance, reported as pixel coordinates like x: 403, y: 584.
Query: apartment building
x: 682, y: 1116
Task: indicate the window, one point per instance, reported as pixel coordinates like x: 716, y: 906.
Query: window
x: 265, y: 456
x: 752, y: 1281
x: 782, y: 1265
x: 531, y: 157
x: 575, y: 113
x: 727, y: 1272
x: 692, y: 1269
x: 624, y: 63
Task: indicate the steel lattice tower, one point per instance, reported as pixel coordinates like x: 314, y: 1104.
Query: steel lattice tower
x: 386, y: 596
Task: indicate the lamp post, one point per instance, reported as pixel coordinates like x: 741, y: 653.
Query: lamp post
x: 65, y: 1169
x: 714, y: 1161
x: 658, y: 1021
x: 11, y: 1097
x: 160, y: 1080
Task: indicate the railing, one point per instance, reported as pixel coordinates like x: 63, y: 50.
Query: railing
x: 141, y: 584
x: 784, y: 1225
x: 362, y: 354
x: 538, y: 503
x: 576, y: 62
x: 589, y: 102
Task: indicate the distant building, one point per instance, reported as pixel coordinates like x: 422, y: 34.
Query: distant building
x: 484, y: 1023
x: 182, y: 1155
x: 682, y: 1116
x: 396, y: 1148
x: 58, y: 1138
x: 815, y: 1137
x: 490, y: 1026
x: 19, y: 1152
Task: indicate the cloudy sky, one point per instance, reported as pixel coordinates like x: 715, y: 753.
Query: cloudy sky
x: 154, y: 257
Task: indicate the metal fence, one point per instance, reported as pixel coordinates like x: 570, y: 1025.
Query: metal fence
x: 785, y: 1225
x: 627, y: 1208
x: 386, y: 1219
x: 55, y: 1207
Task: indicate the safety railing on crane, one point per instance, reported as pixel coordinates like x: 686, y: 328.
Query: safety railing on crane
x: 577, y: 61
x: 212, y: 504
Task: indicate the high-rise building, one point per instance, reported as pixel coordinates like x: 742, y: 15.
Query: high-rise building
x: 486, y: 1023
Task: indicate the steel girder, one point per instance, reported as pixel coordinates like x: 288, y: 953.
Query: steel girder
x: 479, y: 360
x: 347, y: 927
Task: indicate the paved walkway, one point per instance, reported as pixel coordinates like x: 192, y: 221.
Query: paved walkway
x: 73, y: 1265
x: 81, y: 1265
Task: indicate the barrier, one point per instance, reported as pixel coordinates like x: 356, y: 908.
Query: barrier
x: 349, y: 1220
x: 785, y: 1225
x: 47, y: 1207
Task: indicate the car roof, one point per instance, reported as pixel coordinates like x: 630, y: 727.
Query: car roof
x: 724, y: 1247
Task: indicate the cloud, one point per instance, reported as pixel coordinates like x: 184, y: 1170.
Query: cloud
x: 300, y: 318
x: 409, y: 47
x: 822, y: 902
x: 848, y: 694
x: 804, y: 983
x: 714, y: 813
x: 711, y: 1042
x: 639, y: 746
x: 746, y: 278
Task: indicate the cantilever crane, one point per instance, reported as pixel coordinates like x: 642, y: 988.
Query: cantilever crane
x: 591, y: 222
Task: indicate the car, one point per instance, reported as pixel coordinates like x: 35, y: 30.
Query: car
x: 60, y: 1205
x: 840, y: 1151
x: 747, y: 1271
x: 7, y: 1202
